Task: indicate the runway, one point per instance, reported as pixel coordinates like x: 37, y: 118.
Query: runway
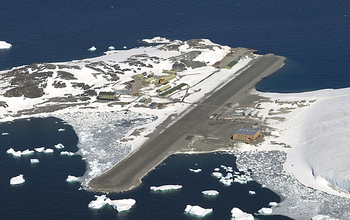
x: 128, y: 173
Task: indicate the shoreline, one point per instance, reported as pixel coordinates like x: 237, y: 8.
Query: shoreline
x: 114, y: 180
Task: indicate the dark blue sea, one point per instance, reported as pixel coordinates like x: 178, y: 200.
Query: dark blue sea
x: 312, y: 35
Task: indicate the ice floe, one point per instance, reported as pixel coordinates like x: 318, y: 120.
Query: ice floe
x: 39, y: 149
x: 323, y: 217
x: 59, y: 146
x: 48, y: 151
x: 67, y: 153
x: 273, y: 204
x: 93, y: 48
x: 98, y: 203
x: 72, y: 178
x: 165, y: 187
x: 210, y: 192
x: 196, y: 170
x: 61, y: 129
x: 32, y: 161
x: 27, y: 152
x: 238, y: 214
x: 265, y: 211
x: 5, y: 45
x: 216, y: 174
x: 121, y: 204
x: 111, y: 48
x: 251, y: 192
x: 197, y: 210
x: 17, y: 180
x: 5, y: 133
x: 19, y: 153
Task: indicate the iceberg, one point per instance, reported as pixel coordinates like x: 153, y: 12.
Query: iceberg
x: 72, y: 178
x: 5, y: 45
x: 34, y: 161
x: 217, y: 169
x: 39, y: 149
x: 17, y: 180
x: 197, y: 210
x: 48, y: 151
x: 111, y: 48
x: 27, y: 152
x: 322, y: 217
x: 93, y: 48
x: 121, y: 204
x: 165, y: 187
x: 252, y: 192
x: 5, y: 133
x: 10, y: 151
x: 67, y: 153
x: 14, y: 153
x: 273, y: 204
x: 210, y: 192
x: 238, y: 214
x: 265, y: 211
x: 59, y: 146
x: 216, y: 174
x: 196, y: 170
x: 98, y: 203
x: 61, y: 129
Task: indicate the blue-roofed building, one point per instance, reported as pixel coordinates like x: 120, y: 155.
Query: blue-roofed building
x: 246, y: 134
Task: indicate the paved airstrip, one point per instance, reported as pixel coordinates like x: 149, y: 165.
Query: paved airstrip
x: 128, y: 173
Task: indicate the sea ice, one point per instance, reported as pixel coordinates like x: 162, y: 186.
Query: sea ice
x: 17, y: 180
x: 98, y: 203
x: 67, y: 153
x: 121, y: 204
x: 34, y: 161
x: 165, y: 187
x: 14, y: 153
x: 217, y: 169
x: 238, y: 214
x: 252, y: 192
x: 216, y: 174
x: 196, y: 170
x: 265, y: 211
x: 10, y: 151
x: 5, y: 45
x: 48, y: 151
x: 273, y: 204
x: 322, y: 217
x: 210, y: 192
x: 61, y: 129
x: 111, y: 48
x: 27, y: 152
x: 39, y: 149
x: 59, y: 146
x: 72, y: 178
x: 226, y: 181
x: 93, y: 48
x: 197, y: 210
x: 5, y: 133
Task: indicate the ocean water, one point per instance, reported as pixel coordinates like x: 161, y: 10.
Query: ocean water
x: 313, y: 35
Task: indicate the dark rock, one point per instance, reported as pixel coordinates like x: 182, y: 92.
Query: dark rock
x: 65, y: 75
x: 28, y: 91
x: 59, y: 84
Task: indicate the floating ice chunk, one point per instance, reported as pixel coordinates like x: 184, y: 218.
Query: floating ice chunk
x: 10, y: 151
x: 59, y: 146
x: 5, y: 45
x: 111, y: 48
x: 165, y: 187
x: 252, y: 192
x: 273, y: 204
x: 61, y: 129
x: 216, y: 174
x: 226, y: 181
x: 197, y: 210
x: 217, y: 169
x: 98, y: 203
x: 67, y: 153
x: 265, y: 211
x: 34, y: 161
x: 5, y: 133
x: 17, y: 180
x: 210, y: 192
x: 196, y: 170
x: 27, y: 152
x: 156, y: 40
x: 124, y: 47
x: 93, y: 48
x: 48, y: 151
x: 121, y: 204
x: 39, y: 149
x: 72, y: 178
x: 238, y: 214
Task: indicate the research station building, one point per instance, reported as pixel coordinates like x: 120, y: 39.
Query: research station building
x: 246, y: 134
x: 107, y: 95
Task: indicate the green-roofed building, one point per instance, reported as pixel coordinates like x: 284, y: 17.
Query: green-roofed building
x: 231, y: 64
